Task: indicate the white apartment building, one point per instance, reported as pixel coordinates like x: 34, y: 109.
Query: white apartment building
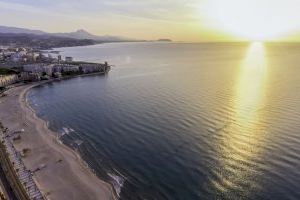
x: 39, y: 68
x: 69, y: 59
x: 6, y: 80
x: 91, y: 67
x: 65, y: 68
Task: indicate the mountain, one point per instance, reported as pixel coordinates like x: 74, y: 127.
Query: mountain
x: 164, y: 40
x: 82, y: 34
x: 79, y: 34
x: 41, y: 41
x: 7, y: 29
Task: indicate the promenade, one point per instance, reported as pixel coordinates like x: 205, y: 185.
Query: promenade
x: 23, y: 174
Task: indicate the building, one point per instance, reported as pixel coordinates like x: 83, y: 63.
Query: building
x: 57, y: 75
x: 6, y: 80
x: 90, y: 67
x: 31, y: 57
x: 57, y: 67
x: 65, y: 68
x: 69, y: 59
x: 94, y: 67
x: 28, y: 76
x: 18, y: 56
x: 39, y: 68
x: 70, y: 68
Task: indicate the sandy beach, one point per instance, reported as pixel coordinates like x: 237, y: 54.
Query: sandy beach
x: 63, y: 175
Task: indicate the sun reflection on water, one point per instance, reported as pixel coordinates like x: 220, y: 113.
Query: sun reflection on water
x: 242, y: 139
x: 251, y: 85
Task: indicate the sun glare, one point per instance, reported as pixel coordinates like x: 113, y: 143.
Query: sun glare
x: 252, y: 19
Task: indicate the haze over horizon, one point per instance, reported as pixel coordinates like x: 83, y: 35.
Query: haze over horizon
x: 179, y: 20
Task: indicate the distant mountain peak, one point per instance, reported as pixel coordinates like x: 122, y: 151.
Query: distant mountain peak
x: 79, y: 34
x: 8, y: 29
x: 81, y: 31
x: 83, y: 34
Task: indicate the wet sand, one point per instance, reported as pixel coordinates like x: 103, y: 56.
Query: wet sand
x: 63, y: 175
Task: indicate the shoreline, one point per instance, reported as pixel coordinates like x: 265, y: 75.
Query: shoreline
x: 71, y: 178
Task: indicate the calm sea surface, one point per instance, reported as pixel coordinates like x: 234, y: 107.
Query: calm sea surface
x: 184, y: 121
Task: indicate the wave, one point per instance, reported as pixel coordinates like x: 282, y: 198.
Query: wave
x: 78, y: 142
x: 66, y: 131
x: 117, y: 181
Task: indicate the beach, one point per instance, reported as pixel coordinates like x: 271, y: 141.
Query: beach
x: 61, y: 173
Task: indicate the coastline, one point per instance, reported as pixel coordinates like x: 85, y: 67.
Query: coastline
x: 70, y: 178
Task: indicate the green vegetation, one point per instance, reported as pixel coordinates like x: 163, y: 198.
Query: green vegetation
x: 5, y: 71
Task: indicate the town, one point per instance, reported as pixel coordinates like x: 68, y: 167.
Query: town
x: 19, y: 64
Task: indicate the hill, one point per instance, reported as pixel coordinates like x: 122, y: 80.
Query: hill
x: 79, y: 34
x: 41, y: 41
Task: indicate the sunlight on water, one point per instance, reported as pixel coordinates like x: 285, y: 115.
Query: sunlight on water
x: 243, y: 137
x: 184, y: 121
x: 251, y: 84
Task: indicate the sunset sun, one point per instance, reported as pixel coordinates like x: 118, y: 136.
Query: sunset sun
x: 252, y: 20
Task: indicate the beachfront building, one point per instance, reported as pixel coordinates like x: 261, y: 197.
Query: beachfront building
x: 28, y: 76
x: 57, y: 68
x: 70, y: 68
x: 65, y: 68
x: 57, y: 75
x: 6, y: 80
x: 92, y: 67
x: 69, y: 59
x: 39, y: 68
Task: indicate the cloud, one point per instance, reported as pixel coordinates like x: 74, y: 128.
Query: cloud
x: 168, y: 10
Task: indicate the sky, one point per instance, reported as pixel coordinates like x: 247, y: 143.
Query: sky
x: 180, y: 20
